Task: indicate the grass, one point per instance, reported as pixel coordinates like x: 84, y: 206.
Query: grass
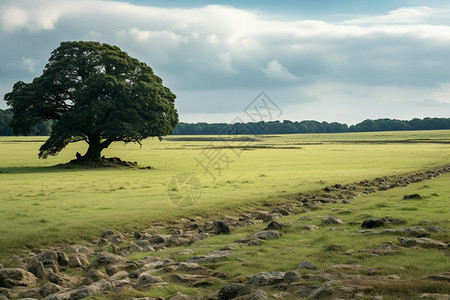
x: 44, y: 204
x: 326, y: 247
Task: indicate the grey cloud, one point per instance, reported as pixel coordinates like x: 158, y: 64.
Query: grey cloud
x: 214, y: 56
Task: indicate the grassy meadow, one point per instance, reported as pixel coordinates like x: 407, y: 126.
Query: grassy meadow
x: 45, y: 204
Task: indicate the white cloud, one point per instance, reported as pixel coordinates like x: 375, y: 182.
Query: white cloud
x: 225, y: 62
x: 29, y: 64
x: 398, y: 16
x: 14, y: 17
x: 442, y: 95
x: 276, y: 70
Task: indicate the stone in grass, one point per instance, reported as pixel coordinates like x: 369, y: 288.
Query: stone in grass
x: 266, y: 278
x: 332, y: 220
x: 267, y: 235
x: 435, y: 296
x: 16, y: 277
x: 311, y: 227
x: 210, y: 257
x: 230, y: 291
x: 255, y: 295
x: 145, y: 280
x: 50, y: 288
x: 276, y: 225
x: 307, y: 265
x: 221, y: 227
x: 421, y: 242
x: 413, y: 196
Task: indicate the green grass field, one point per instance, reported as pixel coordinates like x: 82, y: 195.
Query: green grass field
x: 42, y: 204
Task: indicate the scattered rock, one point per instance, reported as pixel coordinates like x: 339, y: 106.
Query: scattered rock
x: 37, y: 268
x: 221, y: 227
x: 49, y: 288
x: 230, y: 291
x: 145, y: 280
x: 332, y: 220
x: 385, y: 248
x: 16, y: 277
x: 48, y: 254
x: 307, y: 265
x: 311, y: 227
x: 439, y: 277
x: 210, y: 257
x: 126, y: 266
x: 105, y: 258
x: 435, y: 229
x: 421, y: 242
x: 275, y: 225
x: 267, y: 235
x: 63, y: 259
x: 413, y: 196
x: 266, y: 278
x: 346, y: 201
x: 291, y: 276
x: 417, y: 231
x: 282, y: 295
x: 434, y: 296
x: 180, y: 296
x: 96, y: 275
x: 78, y: 261
x: 325, y: 290
x: 255, y: 295
x: 194, y: 280
x: 375, y: 223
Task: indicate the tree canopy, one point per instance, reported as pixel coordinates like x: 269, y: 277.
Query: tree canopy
x: 96, y: 93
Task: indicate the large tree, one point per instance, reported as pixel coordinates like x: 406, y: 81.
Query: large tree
x: 95, y: 93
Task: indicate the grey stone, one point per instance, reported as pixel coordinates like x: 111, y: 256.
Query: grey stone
x: 434, y: 296
x: 221, y: 227
x: 255, y: 295
x: 435, y: 229
x: 105, y: 258
x: 49, y: 288
x: 180, y: 296
x: 332, y: 220
x: 230, y: 291
x: 413, y: 196
x: 275, y: 225
x: 48, y: 254
x: 16, y: 277
x: 307, y: 265
x: 324, y: 291
x: 266, y: 278
x: 421, y: 242
x: 78, y: 261
x: 267, y: 235
x: 36, y: 267
x: 63, y: 259
x: 210, y: 257
x: 96, y: 275
x: 439, y: 277
x: 145, y: 280
x: 311, y: 227
x: 292, y: 276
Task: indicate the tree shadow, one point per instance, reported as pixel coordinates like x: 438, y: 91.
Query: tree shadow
x: 61, y: 168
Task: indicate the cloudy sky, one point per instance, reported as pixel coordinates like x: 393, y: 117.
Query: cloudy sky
x: 328, y: 60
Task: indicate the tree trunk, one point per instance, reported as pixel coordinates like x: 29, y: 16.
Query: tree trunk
x: 95, y: 149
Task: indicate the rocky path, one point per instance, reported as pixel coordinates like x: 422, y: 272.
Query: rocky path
x: 101, y: 267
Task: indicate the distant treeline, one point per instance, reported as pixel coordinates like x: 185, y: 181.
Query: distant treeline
x: 277, y: 127
x: 43, y: 128
x: 272, y: 127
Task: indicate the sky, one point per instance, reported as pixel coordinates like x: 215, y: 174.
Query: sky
x: 325, y: 60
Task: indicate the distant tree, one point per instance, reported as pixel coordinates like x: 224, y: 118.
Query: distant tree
x: 96, y: 93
